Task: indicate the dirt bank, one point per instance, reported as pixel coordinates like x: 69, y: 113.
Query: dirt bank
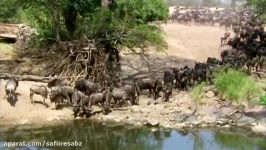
x: 26, y: 113
x: 193, y: 42
x: 180, y: 112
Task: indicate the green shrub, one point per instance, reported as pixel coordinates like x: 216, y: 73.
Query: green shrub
x: 236, y: 85
x: 197, y: 91
x: 262, y: 100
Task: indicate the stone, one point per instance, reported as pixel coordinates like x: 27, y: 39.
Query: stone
x: 209, y: 94
x: 226, y: 126
x: 256, y: 112
x: 180, y: 125
x: 245, y: 121
x: 135, y: 109
x: 194, y: 122
x: 23, y: 122
x: 52, y: 118
x: 150, y: 102
x: 152, y: 123
x: 208, y: 118
x: 154, y: 129
x: 260, y: 126
x: 221, y: 122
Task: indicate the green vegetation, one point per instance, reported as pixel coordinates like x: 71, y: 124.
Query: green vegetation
x: 125, y: 23
x: 263, y: 100
x: 5, y: 47
x: 9, y: 10
x: 197, y: 91
x: 259, y: 6
x: 236, y: 85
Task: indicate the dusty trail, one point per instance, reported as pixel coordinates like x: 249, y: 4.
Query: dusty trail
x: 193, y: 42
x: 186, y: 45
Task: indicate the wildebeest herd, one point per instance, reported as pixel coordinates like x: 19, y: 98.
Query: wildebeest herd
x: 208, y: 16
x: 248, y: 51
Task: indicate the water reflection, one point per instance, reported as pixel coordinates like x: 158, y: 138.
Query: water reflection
x: 95, y: 136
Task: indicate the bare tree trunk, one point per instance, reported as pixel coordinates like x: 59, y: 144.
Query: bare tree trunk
x: 57, y: 30
x: 56, y: 20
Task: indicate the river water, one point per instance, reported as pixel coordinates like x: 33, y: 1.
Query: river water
x: 87, y: 135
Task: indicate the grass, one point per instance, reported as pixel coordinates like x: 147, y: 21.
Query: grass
x: 263, y: 100
x: 5, y: 46
x: 6, y: 49
x: 197, y: 92
x: 236, y: 85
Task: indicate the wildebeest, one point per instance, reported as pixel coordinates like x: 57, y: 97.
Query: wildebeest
x: 118, y: 95
x: 86, y: 86
x: 132, y: 91
x: 225, y: 37
x: 10, y: 88
x: 99, y: 98
x: 63, y: 92
x: 77, y: 99
x: 168, y: 77
x: 157, y: 88
x: 39, y: 90
x: 167, y: 90
x: 185, y: 78
x: 57, y: 82
x: 81, y: 104
x: 213, y: 61
x: 146, y: 83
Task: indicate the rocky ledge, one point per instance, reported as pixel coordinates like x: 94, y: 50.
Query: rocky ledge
x: 181, y: 112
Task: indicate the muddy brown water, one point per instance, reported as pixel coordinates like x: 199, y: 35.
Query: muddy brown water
x: 87, y: 135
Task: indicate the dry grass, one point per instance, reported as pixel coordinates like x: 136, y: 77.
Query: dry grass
x: 6, y: 51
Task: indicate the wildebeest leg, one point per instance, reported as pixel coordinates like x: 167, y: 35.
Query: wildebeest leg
x: 43, y: 100
x: 6, y: 95
x: 116, y: 103
x: 14, y: 97
x: 150, y: 92
x: 103, y: 108
x: 31, y: 98
x: 68, y: 100
x: 56, y: 105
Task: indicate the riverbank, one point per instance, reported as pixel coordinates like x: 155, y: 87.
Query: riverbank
x: 180, y: 113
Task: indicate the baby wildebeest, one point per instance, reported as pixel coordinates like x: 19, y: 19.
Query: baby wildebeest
x: 11, y: 87
x: 38, y: 90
